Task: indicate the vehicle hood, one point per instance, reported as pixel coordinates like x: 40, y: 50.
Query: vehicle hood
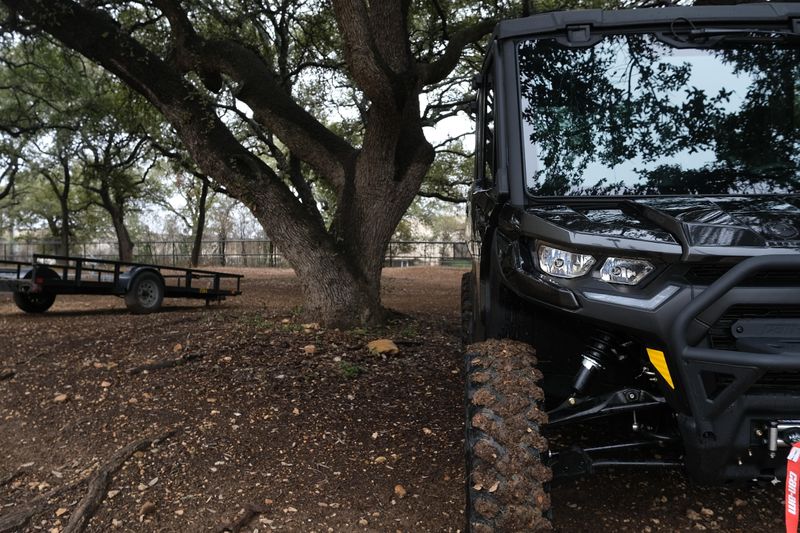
x: 761, y: 221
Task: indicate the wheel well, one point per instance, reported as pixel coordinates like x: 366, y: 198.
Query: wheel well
x: 138, y: 271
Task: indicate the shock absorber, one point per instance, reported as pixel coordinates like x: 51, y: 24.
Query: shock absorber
x: 595, y: 356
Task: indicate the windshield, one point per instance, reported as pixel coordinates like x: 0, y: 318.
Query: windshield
x: 634, y: 116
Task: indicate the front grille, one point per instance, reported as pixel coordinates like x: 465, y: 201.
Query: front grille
x: 720, y: 334
x: 706, y: 274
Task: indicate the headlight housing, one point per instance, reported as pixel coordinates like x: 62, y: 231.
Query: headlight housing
x: 563, y: 264
x: 625, y: 271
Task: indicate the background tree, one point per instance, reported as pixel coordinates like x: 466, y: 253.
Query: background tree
x: 79, y: 130
x: 216, y: 71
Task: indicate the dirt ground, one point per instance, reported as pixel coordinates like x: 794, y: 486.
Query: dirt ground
x: 334, y: 440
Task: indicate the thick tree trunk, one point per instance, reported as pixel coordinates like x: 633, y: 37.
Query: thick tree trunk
x: 200, y: 225
x: 124, y: 242
x: 64, y: 229
x: 116, y: 211
x: 339, y: 268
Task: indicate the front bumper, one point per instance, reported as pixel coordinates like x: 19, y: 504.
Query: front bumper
x: 722, y: 409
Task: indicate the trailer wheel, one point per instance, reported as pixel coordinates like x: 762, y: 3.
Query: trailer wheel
x: 507, y: 481
x: 145, y: 294
x: 34, y: 302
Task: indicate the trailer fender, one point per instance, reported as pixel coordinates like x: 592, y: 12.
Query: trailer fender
x: 127, y: 279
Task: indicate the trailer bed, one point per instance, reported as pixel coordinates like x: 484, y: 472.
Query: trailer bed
x: 35, y: 284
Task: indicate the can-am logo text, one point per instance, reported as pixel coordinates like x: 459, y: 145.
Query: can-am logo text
x: 791, y: 501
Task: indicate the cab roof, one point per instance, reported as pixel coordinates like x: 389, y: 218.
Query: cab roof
x: 782, y: 15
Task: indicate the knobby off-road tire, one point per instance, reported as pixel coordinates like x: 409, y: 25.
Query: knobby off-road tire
x: 34, y: 302
x: 467, y: 309
x: 146, y: 293
x: 506, y: 479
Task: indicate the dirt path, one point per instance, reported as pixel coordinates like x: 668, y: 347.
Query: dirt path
x: 334, y: 440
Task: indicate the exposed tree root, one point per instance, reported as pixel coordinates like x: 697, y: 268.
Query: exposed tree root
x: 98, y: 484
x: 7, y: 373
x: 169, y: 363
x: 246, y: 515
x: 17, y: 518
x: 5, y: 480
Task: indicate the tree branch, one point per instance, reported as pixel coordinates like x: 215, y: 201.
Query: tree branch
x: 443, y: 197
x: 438, y: 70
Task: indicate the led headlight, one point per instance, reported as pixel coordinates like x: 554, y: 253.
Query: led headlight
x: 563, y: 264
x: 625, y: 271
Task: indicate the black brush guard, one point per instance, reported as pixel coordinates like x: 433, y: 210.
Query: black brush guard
x: 724, y: 428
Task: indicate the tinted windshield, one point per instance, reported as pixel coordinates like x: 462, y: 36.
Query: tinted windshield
x: 632, y: 115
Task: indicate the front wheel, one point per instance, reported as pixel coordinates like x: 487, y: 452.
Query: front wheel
x: 506, y: 481
x: 34, y: 302
x: 145, y: 294
x: 467, y: 308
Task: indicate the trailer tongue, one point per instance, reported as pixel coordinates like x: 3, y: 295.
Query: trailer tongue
x: 36, y: 284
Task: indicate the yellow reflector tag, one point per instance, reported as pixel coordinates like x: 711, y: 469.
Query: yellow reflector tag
x: 660, y: 364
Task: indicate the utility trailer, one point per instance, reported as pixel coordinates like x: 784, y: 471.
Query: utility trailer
x: 36, y: 284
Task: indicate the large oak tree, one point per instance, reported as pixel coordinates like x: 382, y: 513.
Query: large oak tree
x: 189, y: 58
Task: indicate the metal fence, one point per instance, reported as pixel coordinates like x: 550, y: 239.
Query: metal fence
x: 243, y: 253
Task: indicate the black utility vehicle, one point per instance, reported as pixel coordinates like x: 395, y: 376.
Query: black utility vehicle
x: 635, y: 217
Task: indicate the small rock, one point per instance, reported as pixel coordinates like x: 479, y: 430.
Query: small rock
x: 141, y: 487
x: 110, y: 494
x: 693, y: 515
x: 706, y: 511
x: 61, y: 398
x: 311, y: 325
x: 152, y: 481
x: 309, y: 349
x: 268, y: 501
x: 290, y: 510
x: 179, y: 512
x: 177, y: 348
x: 116, y: 523
x: 374, y: 435
x: 105, y: 384
x: 295, y: 411
x: 379, y: 460
x: 285, y: 321
x: 383, y: 346
x: 427, y: 431
x: 147, y: 508
x: 61, y: 511
x: 738, y: 502
x: 363, y: 522
x: 400, y: 491
x: 98, y: 364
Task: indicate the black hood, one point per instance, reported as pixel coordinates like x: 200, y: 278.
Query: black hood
x: 741, y: 221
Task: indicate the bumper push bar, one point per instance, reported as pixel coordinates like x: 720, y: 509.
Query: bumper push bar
x: 727, y: 415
